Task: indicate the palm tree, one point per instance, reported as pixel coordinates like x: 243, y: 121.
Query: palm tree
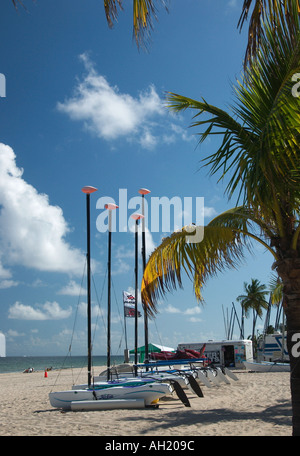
x: 259, y: 154
x: 253, y: 299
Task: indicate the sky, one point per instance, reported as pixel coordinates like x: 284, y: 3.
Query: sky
x: 84, y: 106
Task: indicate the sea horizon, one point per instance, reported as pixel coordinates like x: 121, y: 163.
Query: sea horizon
x: 10, y: 364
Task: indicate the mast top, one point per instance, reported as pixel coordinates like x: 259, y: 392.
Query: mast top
x: 88, y: 189
x: 144, y: 191
x: 137, y: 216
x: 111, y: 206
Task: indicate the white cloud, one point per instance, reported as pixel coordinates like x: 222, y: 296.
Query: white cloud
x: 191, y: 312
x: 209, y: 211
x: 11, y: 333
x: 47, y: 311
x: 172, y: 309
x: 71, y: 289
x: 8, y: 284
x: 32, y: 231
x: 195, y: 320
x: 111, y: 114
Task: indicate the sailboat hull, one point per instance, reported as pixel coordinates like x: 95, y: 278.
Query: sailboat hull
x: 150, y: 393
x: 108, y: 404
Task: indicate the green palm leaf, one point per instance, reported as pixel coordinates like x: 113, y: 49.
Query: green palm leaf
x: 262, y: 8
x: 259, y: 150
x: 200, y: 260
x: 225, y: 239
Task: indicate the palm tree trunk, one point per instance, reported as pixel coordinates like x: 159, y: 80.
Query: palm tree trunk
x: 293, y: 335
x: 253, y: 333
x: 289, y: 271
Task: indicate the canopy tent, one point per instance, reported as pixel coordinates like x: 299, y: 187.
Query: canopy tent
x: 152, y: 348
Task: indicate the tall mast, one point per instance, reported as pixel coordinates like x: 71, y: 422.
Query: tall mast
x: 143, y: 192
x: 136, y: 217
x: 110, y: 207
x: 88, y: 190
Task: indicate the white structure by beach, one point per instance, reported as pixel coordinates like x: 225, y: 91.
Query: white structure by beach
x: 228, y: 353
x: 2, y: 345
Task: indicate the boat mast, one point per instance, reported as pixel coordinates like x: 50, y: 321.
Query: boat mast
x: 136, y: 217
x: 110, y: 207
x: 88, y: 190
x: 143, y: 192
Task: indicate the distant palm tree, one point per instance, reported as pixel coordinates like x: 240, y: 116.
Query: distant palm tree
x: 253, y: 299
x: 259, y: 153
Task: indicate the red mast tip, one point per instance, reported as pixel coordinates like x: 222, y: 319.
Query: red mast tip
x: 88, y: 189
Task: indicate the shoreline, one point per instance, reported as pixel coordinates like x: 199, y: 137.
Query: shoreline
x: 258, y: 404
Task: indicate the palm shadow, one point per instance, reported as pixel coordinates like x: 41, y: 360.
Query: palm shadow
x: 279, y: 414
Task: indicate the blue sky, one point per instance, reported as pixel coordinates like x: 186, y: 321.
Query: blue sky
x: 84, y: 106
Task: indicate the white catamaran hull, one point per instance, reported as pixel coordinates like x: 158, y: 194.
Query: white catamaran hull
x: 206, y: 376
x: 150, y: 393
x: 267, y: 366
x: 153, y: 377
x: 107, y: 404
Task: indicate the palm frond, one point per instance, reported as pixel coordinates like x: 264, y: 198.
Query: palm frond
x: 144, y: 12
x: 259, y: 149
x: 276, y: 288
x: 274, y: 9
x: 220, y: 248
x: 225, y: 240
x: 111, y: 10
x: 251, y: 224
x: 15, y: 3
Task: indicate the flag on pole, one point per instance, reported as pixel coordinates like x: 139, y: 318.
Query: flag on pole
x: 129, y: 305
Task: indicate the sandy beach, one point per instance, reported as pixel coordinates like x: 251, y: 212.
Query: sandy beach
x: 258, y: 404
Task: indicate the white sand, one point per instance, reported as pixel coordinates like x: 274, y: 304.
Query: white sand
x: 258, y: 404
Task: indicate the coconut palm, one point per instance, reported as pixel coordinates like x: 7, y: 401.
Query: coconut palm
x: 259, y: 154
x: 253, y: 299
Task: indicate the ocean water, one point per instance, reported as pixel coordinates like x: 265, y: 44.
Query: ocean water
x: 41, y: 363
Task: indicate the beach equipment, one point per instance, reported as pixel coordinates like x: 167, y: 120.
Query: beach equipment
x: 148, y: 391
x: 108, y: 405
x: 104, y: 382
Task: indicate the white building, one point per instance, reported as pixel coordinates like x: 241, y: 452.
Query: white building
x: 228, y: 353
x: 2, y: 345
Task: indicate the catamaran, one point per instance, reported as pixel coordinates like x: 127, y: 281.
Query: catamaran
x: 107, y: 394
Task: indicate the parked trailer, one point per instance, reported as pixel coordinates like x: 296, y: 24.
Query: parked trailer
x: 271, y: 348
x: 228, y: 353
